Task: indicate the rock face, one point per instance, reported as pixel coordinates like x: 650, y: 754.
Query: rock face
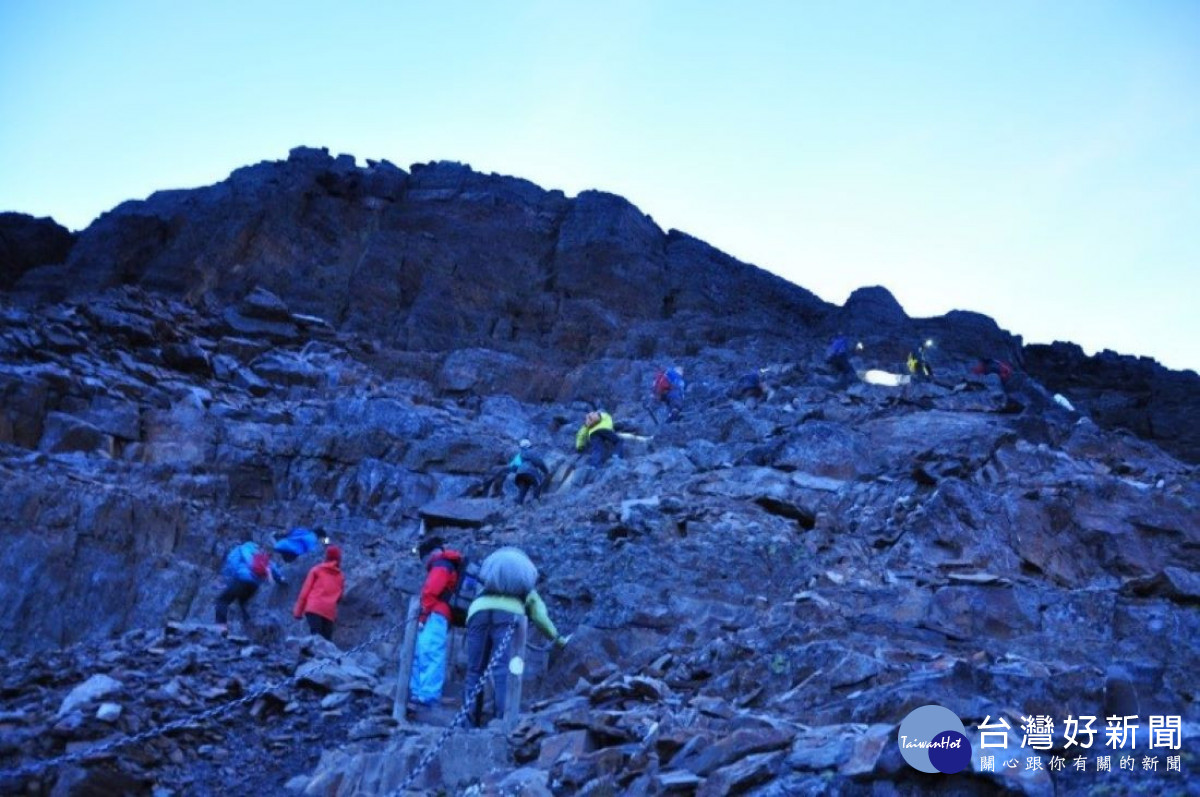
x: 26, y: 242
x: 437, y: 258
x: 1121, y: 392
x: 757, y: 594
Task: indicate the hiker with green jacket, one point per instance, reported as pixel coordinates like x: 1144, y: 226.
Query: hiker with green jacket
x: 508, y: 578
x: 597, y: 438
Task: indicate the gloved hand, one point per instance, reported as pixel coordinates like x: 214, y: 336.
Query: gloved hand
x: 562, y: 641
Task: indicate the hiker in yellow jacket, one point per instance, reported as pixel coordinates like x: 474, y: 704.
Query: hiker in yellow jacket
x: 597, y: 438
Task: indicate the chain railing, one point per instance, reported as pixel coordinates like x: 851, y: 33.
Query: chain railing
x: 498, y: 655
x: 34, y: 767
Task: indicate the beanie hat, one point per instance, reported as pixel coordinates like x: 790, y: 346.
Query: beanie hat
x: 524, y: 443
x: 428, y: 546
x: 333, y: 554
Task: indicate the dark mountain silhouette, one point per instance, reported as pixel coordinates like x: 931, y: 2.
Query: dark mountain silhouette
x: 758, y: 594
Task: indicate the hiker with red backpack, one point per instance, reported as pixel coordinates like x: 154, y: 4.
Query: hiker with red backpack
x: 668, y: 389
x: 989, y: 365
x: 322, y: 591
x: 246, y: 567
x: 433, y: 623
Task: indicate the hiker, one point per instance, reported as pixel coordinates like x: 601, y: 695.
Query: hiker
x: 433, y: 622
x: 918, y: 363
x: 509, y: 580
x: 989, y: 365
x: 750, y: 387
x: 838, y: 356
x: 246, y: 567
x: 668, y: 389
x: 298, y: 542
x: 530, y: 469
x: 322, y: 591
x: 596, y: 436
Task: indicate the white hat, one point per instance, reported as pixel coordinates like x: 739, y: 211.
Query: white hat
x: 525, y: 443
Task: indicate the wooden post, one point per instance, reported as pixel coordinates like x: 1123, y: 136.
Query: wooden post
x: 407, y: 646
x: 516, y: 670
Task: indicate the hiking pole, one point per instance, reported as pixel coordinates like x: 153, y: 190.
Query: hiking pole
x: 648, y: 406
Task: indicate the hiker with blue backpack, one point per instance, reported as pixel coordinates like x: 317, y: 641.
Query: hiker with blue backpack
x: 509, y: 579
x: 246, y: 568
x: 433, y: 623
x: 838, y: 356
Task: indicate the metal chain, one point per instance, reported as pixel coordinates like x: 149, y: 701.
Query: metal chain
x: 34, y: 767
x: 498, y: 655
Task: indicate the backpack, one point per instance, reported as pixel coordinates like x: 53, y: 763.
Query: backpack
x: 246, y: 563
x: 467, y: 587
x: 260, y: 565
x: 662, y: 384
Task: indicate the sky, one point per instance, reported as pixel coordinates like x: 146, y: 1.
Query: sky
x: 1038, y: 162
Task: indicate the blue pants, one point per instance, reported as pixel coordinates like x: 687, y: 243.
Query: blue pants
x: 429, y: 662
x: 602, y: 444
x: 674, y: 401
x: 485, y: 631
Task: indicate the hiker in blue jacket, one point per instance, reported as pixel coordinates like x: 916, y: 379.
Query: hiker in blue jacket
x: 247, y: 567
x: 298, y: 542
x: 838, y: 356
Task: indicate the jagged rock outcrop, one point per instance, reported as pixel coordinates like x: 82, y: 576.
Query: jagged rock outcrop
x: 26, y: 242
x: 1122, y: 392
x: 438, y: 257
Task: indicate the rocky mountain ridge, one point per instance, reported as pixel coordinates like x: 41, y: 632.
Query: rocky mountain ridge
x: 441, y: 257
x: 757, y: 594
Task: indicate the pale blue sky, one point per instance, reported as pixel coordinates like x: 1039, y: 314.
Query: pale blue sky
x: 1035, y: 161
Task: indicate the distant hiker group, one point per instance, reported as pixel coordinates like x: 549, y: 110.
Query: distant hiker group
x: 248, y: 566
x: 497, y: 593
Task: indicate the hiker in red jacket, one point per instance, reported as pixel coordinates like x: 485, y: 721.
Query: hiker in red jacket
x: 323, y: 589
x: 429, y: 661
